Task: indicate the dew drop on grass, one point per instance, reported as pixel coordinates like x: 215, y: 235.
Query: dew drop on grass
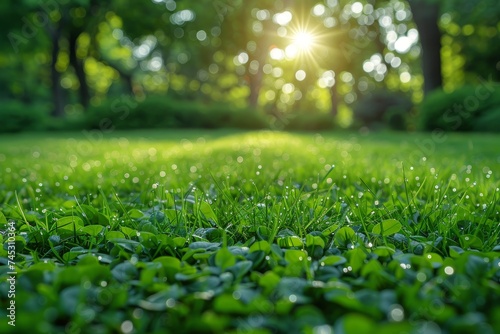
x: 449, y: 270
x: 127, y: 327
x: 397, y: 313
x: 236, y: 295
x: 421, y: 277
x: 137, y: 313
x: 170, y: 303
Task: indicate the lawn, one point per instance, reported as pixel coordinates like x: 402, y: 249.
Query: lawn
x: 222, y: 231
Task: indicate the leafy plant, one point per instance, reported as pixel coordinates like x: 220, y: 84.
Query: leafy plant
x: 381, y: 108
x: 223, y: 231
x: 17, y: 116
x: 469, y: 108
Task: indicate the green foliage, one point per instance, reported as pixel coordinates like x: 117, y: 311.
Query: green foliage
x: 17, y: 116
x: 387, y: 227
x: 382, y: 108
x: 164, y: 112
x: 475, y: 33
x: 225, y: 231
x: 225, y: 116
x: 470, y: 108
x: 489, y: 121
x: 309, y: 122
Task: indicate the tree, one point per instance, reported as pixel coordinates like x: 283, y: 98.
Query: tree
x: 474, y: 29
x: 60, y: 24
x: 426, y: 14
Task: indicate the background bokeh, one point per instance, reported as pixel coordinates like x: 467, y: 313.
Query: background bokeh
x: 299, y: 65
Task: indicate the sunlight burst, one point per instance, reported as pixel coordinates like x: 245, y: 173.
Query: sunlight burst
x: 303, y: 40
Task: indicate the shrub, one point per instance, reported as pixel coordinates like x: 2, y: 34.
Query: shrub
x: 71, y: 122
x: 489, y: 121
x: 459, y: 110
x: 250, y: 120
x: 165, y: 112
x: 153, y: 112
x: 223, y: 115
x: 382, y: 108
x: 17, y: 116
x: 310, y: 122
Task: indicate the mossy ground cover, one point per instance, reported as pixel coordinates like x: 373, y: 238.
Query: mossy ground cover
x: 261, y: 232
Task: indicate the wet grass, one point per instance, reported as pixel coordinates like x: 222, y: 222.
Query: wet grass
x: 198, y: 231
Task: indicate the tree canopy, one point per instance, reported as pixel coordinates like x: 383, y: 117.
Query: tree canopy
x: 277, y: 56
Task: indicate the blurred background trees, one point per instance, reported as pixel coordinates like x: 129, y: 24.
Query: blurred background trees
x: 288, y: 64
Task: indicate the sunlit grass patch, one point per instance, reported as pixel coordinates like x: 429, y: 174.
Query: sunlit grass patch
x: 217, y: 228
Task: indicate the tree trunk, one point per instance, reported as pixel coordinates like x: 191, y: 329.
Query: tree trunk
x: 254, y: 83
x: 426, y: 16
x: 264, y: 42
x: 57, y: 91
x: 334, y: 98
x: 79, y: 69
x: 129, y: 84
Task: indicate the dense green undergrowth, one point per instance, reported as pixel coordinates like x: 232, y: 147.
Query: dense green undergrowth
x: 210, y: 232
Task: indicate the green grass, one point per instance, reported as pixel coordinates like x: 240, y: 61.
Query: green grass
x: 224, y: 231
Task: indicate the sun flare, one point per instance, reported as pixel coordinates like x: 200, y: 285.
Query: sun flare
x: 303, y: 40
